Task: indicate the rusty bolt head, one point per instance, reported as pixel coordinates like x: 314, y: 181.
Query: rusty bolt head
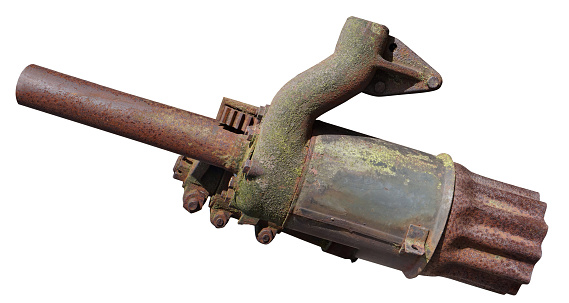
x: 247, y: 166
x: 433, y: 82
x: 193, y: 203
x: 252, y: 168
x: 265, y: 236
x: 219, y: 219
x: 379, y: 87
x: 194, y: 197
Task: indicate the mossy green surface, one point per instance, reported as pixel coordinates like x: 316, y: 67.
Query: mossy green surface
x: 286, y: 128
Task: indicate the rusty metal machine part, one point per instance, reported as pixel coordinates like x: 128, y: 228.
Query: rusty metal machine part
x: 362, y: 52
x: 277, y: 168
x: 493, y: 235
x: 391, y: 201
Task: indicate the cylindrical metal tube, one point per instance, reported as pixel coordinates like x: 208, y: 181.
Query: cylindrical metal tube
x: 153, y: 123
x: 386, y: 202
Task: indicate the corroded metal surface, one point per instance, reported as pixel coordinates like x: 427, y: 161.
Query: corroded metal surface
x: 133, y: 117
x: 281, y: 147
x: 387, y: 201
x: 237, y: 116
x: 402, y: 71
x: 493, y: 235
x: 277, y: 168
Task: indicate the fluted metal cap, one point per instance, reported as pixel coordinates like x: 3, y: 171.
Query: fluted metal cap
x: 493, y: 235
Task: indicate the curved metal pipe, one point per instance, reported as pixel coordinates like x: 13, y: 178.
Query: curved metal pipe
x: 287, y: 126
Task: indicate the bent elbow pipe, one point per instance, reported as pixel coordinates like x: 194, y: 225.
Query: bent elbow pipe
x: 287, y: 126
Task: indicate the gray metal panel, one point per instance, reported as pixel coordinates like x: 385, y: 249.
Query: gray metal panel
x: 376, y: 197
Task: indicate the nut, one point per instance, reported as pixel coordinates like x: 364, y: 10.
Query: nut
x: 194, y: 197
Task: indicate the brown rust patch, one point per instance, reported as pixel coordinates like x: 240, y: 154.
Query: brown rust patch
x: 153, y: 123
x: 493, y: 235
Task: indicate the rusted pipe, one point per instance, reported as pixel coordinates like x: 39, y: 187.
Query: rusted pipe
x: 326, y: 85
x: 150, y: 122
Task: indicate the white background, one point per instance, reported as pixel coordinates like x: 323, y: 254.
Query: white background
x: 86, y: 216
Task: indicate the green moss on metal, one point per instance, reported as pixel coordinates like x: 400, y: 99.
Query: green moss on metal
x: 286, y: 128
x: 388, y: 186
x: 447, y: 160
x: 378, y: 156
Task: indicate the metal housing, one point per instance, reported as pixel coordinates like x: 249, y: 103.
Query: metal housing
x: 276, y: 167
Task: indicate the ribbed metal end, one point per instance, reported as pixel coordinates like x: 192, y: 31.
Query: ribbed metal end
x: 493, y: 235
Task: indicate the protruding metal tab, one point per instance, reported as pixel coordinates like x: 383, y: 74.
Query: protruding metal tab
x: 246, y: 220
x: 401, y: 71
x: 415, y: 240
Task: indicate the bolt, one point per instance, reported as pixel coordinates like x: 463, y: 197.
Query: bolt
x: 252, y: 168
x: 219, y: 219
x: 379, y: 87
x: 266, y: 235
x: 194, y: 202
x: 433, y: 82
x: 247, y: 166
x: 219, y: 222
x: 194, y: 197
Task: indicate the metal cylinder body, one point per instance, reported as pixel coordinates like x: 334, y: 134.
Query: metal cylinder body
x: 133, y: 117
x: 388, y: 202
